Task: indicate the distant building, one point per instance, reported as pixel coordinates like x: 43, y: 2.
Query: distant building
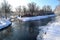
x: 57, y: 10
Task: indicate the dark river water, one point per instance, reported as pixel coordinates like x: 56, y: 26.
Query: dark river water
x: 24, y: 30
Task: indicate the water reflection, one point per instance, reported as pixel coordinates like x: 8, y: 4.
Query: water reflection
x: 23, y: 30
x: 5, y: 33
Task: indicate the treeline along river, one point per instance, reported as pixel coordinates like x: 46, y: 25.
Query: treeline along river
x: 24, y: 30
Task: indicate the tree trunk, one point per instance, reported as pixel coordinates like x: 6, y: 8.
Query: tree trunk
x: 6, y: 15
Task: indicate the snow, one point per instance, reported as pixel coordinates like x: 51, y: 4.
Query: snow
x: 4, y: 23
x: 34, y: 18
x: 52, y: 31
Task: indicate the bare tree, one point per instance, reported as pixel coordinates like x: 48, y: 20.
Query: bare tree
x: 47, y: 8
x: 0, y: 12
x: 19, y: 10
x: 32, y: 7
x: 6, y: 8
x: 24, y: 10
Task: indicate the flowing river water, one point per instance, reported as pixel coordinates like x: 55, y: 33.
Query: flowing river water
x: 32, y: 30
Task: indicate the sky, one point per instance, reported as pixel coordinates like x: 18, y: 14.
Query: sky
x: 15, y: 3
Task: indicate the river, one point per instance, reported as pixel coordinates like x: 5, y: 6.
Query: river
x: 32, y: 30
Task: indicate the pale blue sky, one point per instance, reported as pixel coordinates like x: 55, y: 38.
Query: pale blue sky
x: 41, y: 3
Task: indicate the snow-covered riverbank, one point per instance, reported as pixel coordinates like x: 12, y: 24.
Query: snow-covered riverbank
x: 35, y: 18
x: 51, y: 31
x: 4, y: 23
